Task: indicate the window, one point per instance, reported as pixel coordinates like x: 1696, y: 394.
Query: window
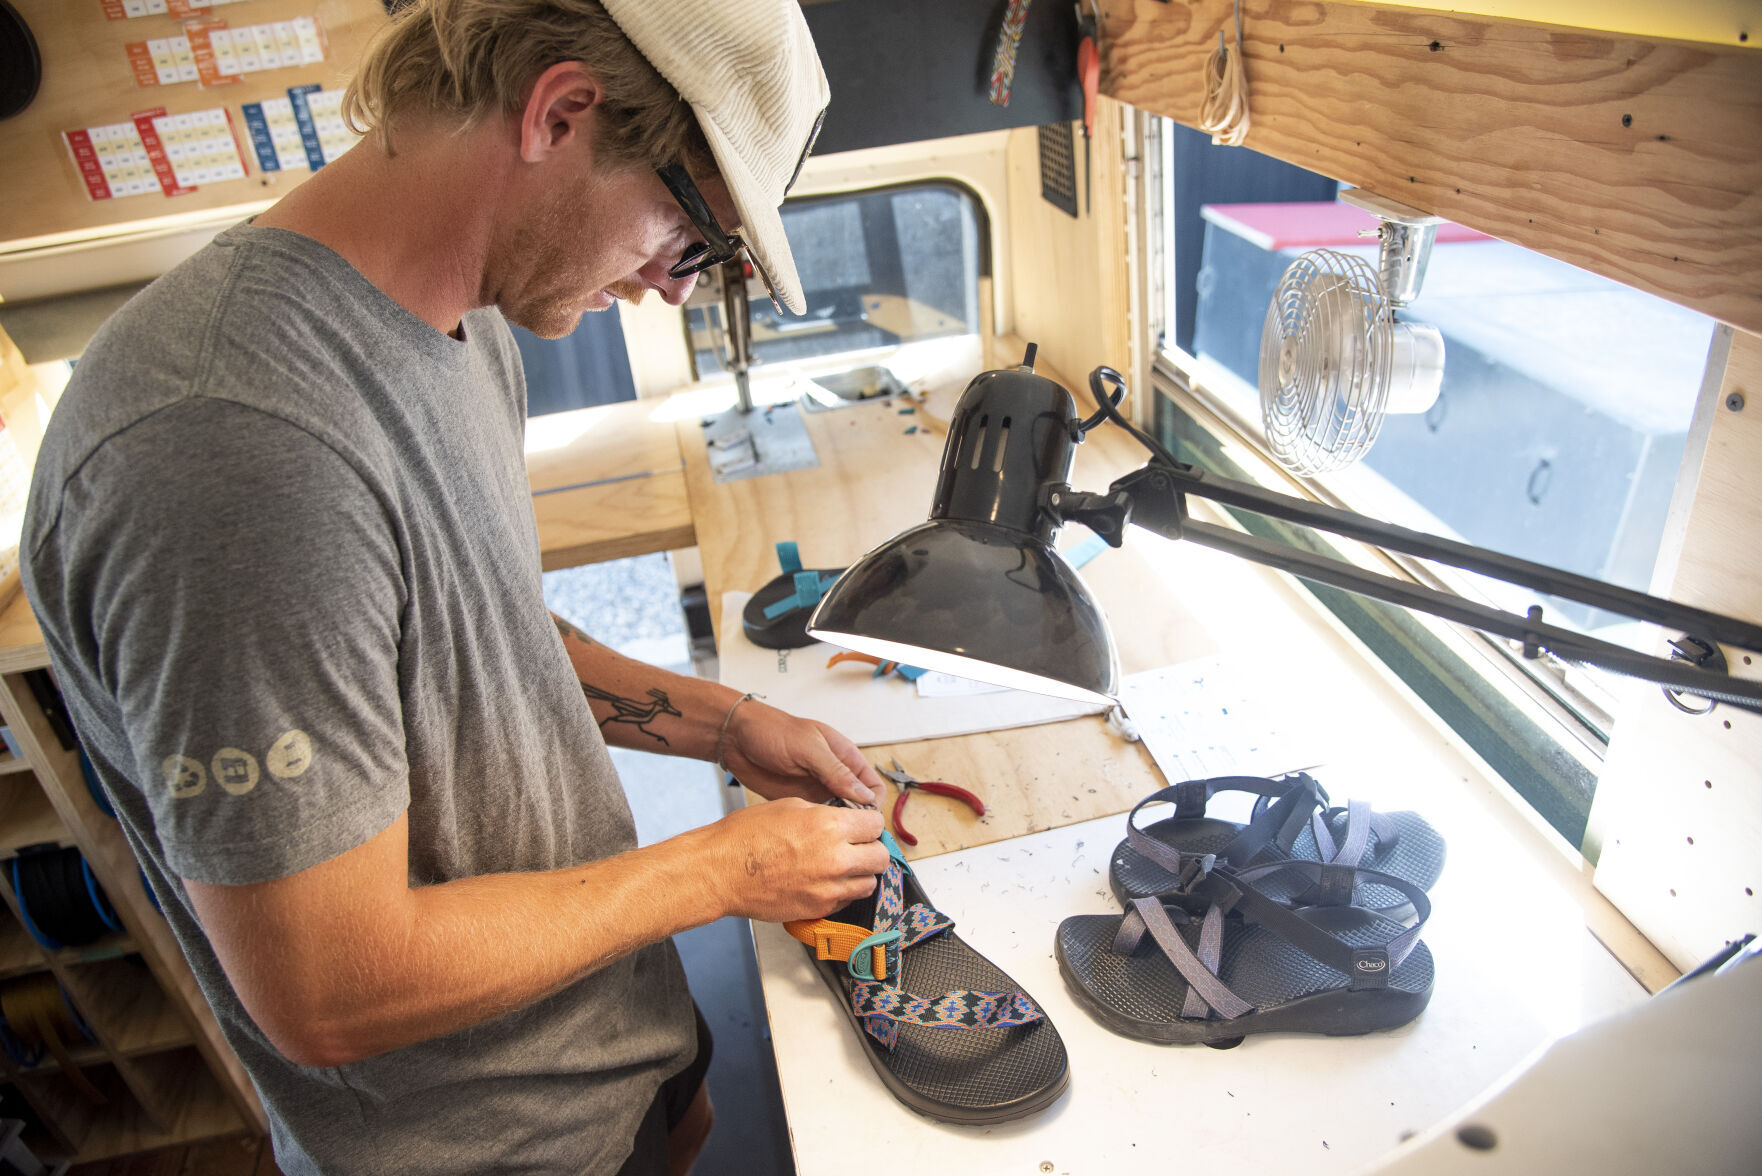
x: 894, y: 265
x: 1557, y: 437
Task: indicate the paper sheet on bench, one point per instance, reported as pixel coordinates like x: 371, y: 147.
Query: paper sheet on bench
x: 1210, y: 717
x: 870, y: 710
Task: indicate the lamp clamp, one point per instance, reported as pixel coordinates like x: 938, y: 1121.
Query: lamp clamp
x: 1105, y: 514
x: 1155, y: 498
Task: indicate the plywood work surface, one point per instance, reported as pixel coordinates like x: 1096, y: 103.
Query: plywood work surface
x: 1283, y: 1102
x: 607, y: 482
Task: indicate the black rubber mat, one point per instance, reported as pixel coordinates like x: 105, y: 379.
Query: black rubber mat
x: 1416, y: 855
x: 1141, y: 995
x: 956, y: 1075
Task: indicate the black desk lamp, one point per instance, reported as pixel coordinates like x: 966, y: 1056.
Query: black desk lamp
x: 978, y: 591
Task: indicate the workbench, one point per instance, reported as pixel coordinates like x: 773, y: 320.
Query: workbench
x: 1512, y: 933
x: 1518, y: 962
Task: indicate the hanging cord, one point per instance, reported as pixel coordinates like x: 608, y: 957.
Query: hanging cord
x: 1107, y: 407
x: 1224, y: 113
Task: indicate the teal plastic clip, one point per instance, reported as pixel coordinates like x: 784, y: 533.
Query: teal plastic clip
x: 861, y: 952
x: 809, y: 588
x: 894, y: 851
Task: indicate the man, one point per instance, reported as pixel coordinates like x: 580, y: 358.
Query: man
x: 282, y: 549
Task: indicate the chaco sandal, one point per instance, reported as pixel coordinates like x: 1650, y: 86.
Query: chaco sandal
x: 777, y: 615
x: 1290, y: 821
x: 1164, y: 974
x: 949, y: 1034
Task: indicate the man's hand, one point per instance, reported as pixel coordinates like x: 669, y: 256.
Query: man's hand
x: 791, y: 860
x: 776, y: 754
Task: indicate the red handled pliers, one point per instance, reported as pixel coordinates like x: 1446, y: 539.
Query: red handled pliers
x: 907, y: 783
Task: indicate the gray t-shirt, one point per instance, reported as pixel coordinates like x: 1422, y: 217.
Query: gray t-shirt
x: 281, y: 544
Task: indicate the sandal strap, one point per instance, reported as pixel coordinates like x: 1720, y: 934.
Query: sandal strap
x: 1190, y: 798
x: 1361, y: 822
x: 1365, y: 967
x: 1274, y: 827
x: 1205, y: 992
x: 881, y: 1005
x: 883, y: 1008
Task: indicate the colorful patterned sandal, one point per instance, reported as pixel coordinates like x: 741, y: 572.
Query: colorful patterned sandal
x: 979, y: 1051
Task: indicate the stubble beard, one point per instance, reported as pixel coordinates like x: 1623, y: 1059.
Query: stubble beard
x: 547, y: 313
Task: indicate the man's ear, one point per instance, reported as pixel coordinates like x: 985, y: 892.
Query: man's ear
x: 558, y: 111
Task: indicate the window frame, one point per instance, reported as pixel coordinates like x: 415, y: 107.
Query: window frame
x: 1527, y: 721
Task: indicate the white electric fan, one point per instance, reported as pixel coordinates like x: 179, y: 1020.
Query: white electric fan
x: 1334, y: 360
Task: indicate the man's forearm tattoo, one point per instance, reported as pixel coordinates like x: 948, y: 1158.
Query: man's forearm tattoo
x: 568, y: 630
x: 634, y: 711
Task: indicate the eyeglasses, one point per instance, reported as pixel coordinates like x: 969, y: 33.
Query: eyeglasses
x: 717, y: 247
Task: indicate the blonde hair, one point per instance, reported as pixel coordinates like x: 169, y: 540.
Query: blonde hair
x: 469, y: 59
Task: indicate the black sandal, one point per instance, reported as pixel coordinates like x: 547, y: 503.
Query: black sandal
x: 1290, y: 821
x: 1333, y: 969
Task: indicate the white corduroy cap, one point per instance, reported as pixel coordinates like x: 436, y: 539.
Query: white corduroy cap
x: 751, y: 74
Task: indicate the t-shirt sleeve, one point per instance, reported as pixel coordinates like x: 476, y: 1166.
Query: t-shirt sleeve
x: 244, y: 589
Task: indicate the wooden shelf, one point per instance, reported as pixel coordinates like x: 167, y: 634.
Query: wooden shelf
x: 160, y: 1060
x: 84, y: 1055
x: 76, y: 1115
x: 125, y: 1006
x: 201, y: 1110
x: 19, y: 953
x: 110, y: 947
x: 40, y: 1134
x: 27, y: 817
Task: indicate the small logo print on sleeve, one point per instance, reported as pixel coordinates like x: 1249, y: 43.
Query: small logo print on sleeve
x: 184, y: 775
x: 235, y: 770
x: 289, y: 756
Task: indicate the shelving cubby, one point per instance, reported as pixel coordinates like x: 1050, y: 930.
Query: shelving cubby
x: 165, y: 1074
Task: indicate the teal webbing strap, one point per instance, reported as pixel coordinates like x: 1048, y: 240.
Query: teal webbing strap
x: 894, y: 851
x: 789, y: 556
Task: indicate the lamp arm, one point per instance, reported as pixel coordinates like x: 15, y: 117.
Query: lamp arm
x: 1522, y: 572
x: 1157, y: 496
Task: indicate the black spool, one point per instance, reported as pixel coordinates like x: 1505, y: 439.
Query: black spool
x: 62, y: 903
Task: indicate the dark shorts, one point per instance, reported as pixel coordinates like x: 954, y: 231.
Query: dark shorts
x: 648, y: 1156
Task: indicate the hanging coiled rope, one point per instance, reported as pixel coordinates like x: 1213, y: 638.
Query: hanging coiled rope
x: 1224, y: 112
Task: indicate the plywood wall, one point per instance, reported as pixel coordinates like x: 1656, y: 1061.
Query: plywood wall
x: 1679, y: 802
x: 1070, y: 274
x: 1636, y: 158
x: 87, y: 81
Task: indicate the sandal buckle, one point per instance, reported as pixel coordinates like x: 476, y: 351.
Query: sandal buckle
x: 868, y: 959
x: 1196, y: 868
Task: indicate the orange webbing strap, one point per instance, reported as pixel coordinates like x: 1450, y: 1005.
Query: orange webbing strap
x: 835, y: 941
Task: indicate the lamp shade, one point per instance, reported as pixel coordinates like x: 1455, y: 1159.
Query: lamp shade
x: 978, y: 591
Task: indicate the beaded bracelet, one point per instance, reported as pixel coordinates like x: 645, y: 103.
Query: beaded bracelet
x: 722, y: 735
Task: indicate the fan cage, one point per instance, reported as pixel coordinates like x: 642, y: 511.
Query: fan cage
x: 1326, y: 354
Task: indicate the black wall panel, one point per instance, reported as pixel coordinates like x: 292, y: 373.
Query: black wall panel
x: 906, y: 70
